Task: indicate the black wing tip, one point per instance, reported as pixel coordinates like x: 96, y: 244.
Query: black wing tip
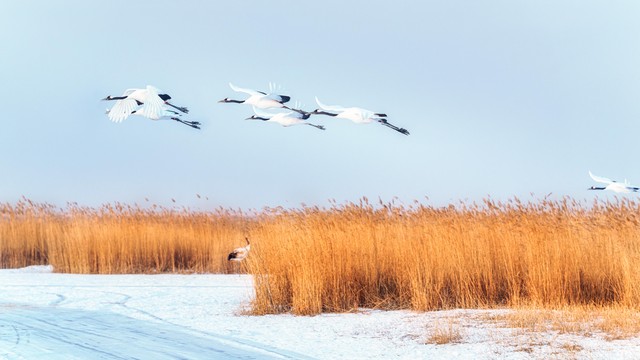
x: 285, y: 98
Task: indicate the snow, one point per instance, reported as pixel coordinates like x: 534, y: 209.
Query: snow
x: 45, y: 315
x: 29, y: 269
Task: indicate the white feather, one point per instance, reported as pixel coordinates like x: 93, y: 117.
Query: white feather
x: 601, y: 179
x: 337, y: 108
x: 122, y: 109
x: 264, y: 114
x: 243, y: 90
x: 152, y: 105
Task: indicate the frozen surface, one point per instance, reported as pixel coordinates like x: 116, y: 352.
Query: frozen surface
x: 44, y: 315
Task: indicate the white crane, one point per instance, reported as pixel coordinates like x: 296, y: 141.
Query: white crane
x: 240, y: 253
x: 355, y: 114
x: 148, y: 98
x: 260, y: 99
x: 612, y: 185
x: 166, y: 114
x: 285, y: 119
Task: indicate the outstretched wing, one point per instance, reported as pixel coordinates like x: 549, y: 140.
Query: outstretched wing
x: 153, y: 105
x: 337, y: 108
x: 601, y: 179
x: 129, y: 92
x: 122, y: 109
x: 264, y: 114
x: 279, y: 98
x: 246, y: 91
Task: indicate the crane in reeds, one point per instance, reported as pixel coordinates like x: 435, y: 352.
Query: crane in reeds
x: 238, y: 254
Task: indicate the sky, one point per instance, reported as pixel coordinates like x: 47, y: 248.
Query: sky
x: 503, y: 99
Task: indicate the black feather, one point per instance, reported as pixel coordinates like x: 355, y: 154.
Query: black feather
x: 285, y: 98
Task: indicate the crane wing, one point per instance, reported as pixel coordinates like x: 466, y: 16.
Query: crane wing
x: 264, y: 114
x: 279, y: 98
x: 153, y: 105
x: 246, y: 91
x: 122, y: 109
x: 600, y: 179
x: 153, y: 89
x: 337, y: 108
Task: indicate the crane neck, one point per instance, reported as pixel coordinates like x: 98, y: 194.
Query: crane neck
x: 324, y: 113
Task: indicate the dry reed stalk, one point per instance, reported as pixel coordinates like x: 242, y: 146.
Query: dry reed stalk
x: 447, y: 334
x: 614, y: 322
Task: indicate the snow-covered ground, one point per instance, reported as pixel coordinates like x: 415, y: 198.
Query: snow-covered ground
x: 45, y: 315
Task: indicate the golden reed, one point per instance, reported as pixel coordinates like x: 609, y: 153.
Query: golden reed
x: 387, y: 256
x: 117, y: 238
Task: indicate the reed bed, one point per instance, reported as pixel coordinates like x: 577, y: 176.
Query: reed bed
x: 309, y: 260
x: 118, y: 238
x: 541, y: 253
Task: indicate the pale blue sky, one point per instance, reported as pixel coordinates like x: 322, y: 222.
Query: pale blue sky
x: 502, y: 98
